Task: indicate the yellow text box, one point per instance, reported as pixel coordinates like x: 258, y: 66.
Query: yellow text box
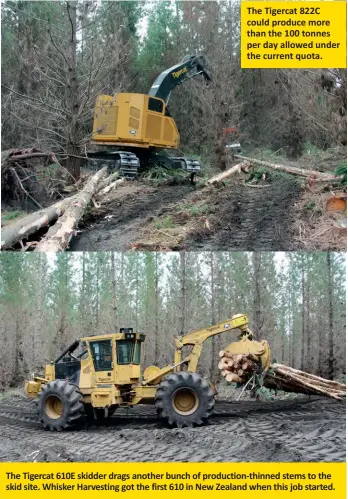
x: 293, y: 34
x: 172, y: 480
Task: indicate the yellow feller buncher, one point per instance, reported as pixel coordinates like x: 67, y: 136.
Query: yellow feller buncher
x: 133, y: 130
x: 106, y: 375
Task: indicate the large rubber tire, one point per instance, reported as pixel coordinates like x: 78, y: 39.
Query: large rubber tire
x: 60, y: 405
x: 184, y: 399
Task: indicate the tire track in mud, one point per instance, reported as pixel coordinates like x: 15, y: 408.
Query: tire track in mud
x: 290, y: 431
x: 127, y: 217
x: 241, y: 217
x: 252, y: 219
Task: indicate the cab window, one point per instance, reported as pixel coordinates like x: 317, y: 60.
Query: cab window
x: 101, y: 354
x: 155, y: 105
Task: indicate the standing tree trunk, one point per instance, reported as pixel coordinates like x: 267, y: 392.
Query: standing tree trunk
x: 72, y: 98
x: 182, y: 292
x: 303, y: 339
x: 331, y: 331
x: 256, y: 258
x: 113, y: 286
x: 213, y: 317
x: 156, y: 310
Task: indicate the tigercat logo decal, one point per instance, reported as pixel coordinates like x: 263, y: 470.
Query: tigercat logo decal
x: 214, y: 328
x: 176, y: 74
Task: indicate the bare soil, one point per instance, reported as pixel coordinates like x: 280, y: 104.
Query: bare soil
x: 299, y: 430
x: 233, y: 216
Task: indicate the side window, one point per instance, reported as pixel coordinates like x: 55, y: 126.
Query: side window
x: 136, y: 358
x: 155, y: 105
x: 102, y: 355
x: 124, y: 350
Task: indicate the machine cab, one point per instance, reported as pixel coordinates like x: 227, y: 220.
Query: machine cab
x: 116, y: 358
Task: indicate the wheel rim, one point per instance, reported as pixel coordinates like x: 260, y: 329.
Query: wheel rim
x: 53, y: 407
x: 185, y: 401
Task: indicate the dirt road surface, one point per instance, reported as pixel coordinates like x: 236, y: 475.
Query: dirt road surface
x: 291, y: 431
x: 234, y: 216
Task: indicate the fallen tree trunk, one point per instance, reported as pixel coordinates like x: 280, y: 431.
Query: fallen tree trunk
x: 323, y: 177
x: 59, y: 235
x: 228, y: 173
x: 12, y: 233
x: 111, y: 178
x: 279, y: 377
x: 109, y: 188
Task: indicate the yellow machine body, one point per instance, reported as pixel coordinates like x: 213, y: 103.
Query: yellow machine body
x: 133, y: 120
x: 106, y: 380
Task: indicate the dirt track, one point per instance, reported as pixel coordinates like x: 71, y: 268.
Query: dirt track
x: 290, y: 431
x: 239, y: 217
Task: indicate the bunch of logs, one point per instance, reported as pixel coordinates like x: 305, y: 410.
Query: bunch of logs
x: 239, y: 368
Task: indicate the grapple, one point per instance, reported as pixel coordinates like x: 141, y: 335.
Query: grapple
x: 259, y: 348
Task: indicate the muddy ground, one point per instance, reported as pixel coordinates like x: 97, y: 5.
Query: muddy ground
x: 234, y: 216
x: 288, y: 430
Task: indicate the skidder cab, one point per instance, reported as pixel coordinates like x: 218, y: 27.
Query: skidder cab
x: 97, y: 374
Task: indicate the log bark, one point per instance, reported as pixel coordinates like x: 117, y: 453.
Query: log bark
x: 324, y: 177
x: 311, y: 376
x: 228, y: 173
x: 280, y: 377
x: 109, y: 188
x: 58, y: 236
x: 231, y: 377
x: 111, y: 178
x: 12, y: 233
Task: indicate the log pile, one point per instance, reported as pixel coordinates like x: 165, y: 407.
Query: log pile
x: 95, y: 189
x: 237, y: 368
x: 240, y: 368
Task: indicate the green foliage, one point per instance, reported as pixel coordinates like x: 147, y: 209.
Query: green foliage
x: 166, y: 223
x: 11, y: 215
x: 342, y: 170
x: 310, y: 205
x: 195, y: 210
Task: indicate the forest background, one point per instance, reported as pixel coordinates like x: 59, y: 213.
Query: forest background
x: 58, y: 56
x: 296, y: 301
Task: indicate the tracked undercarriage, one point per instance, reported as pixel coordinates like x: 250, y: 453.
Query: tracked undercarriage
x: 129, y: 164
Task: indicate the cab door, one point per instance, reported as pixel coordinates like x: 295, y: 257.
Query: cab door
x: 102, y: 353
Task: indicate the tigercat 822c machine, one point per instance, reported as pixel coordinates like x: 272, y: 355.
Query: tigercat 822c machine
x: 107, y: 375
x: 131, y: 129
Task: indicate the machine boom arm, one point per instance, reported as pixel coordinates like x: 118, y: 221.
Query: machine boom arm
x: 189, y: 67
x: 197, y: 338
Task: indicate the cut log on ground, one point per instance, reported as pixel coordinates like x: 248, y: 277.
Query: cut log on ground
x: 111, y: 178
x: 228, y: 173
x: 12, y: 233
x: 109, y: 188
x: 59, y: 235
x: 323, y: 177
x: 278, y: 376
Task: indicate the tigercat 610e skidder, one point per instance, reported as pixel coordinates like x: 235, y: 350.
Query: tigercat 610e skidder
x: 130, y: 130
x: 106, y: 375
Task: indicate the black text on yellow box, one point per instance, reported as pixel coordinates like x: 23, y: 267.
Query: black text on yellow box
x: 327, y: 50
x: 172, y: 480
